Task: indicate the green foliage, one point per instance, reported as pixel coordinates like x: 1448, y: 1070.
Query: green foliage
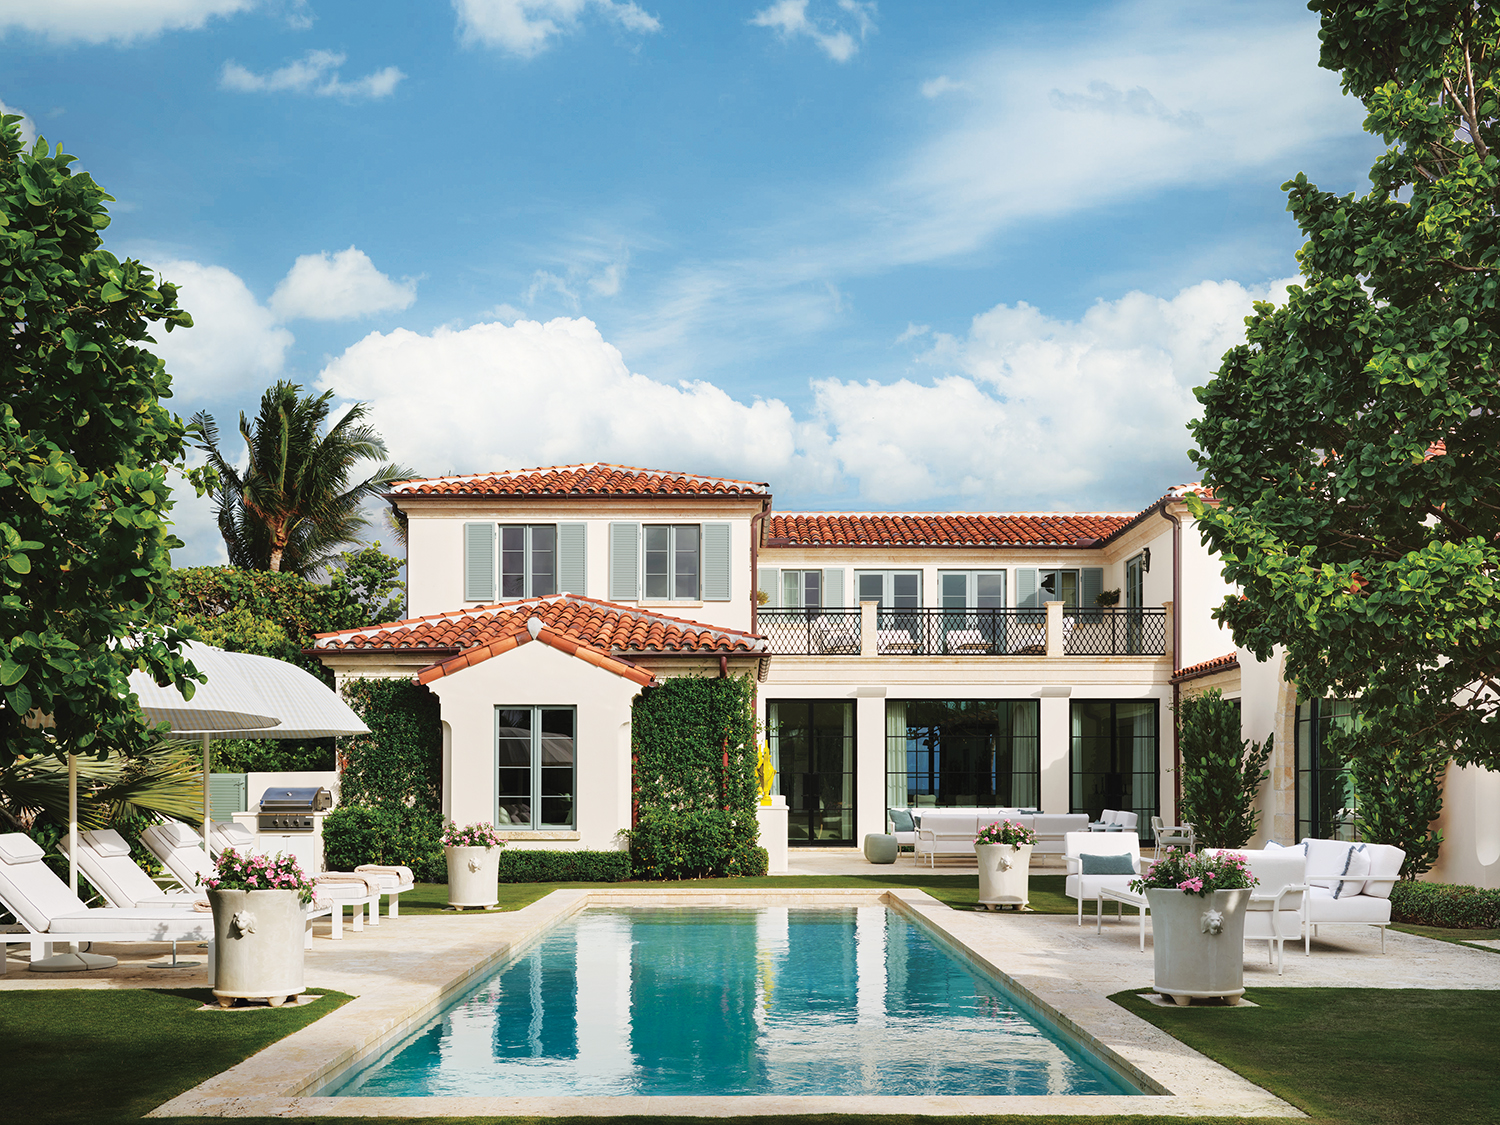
x: 399, y: 764
x: 696, y: 844
x: 1399, y: 794
x: 273, y: 755
x: 357, y: 834
x: 84, y: 449
x: 368, y: 587
x: 266, y: 613
x: 1448, y: 905
x: 294, y: 506
x: 1221, y: 774
x: 525, y: 865
x: 1364, y: 549
x: 693, y: 811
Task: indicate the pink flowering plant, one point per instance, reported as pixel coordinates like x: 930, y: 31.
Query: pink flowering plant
x: 1005, y: 832
x: 1196, y: 873
x: 471, y: 836
x: 236, y: 872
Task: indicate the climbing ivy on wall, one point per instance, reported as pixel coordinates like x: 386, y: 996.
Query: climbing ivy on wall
x: 693, y: 767
x: 399, y: 764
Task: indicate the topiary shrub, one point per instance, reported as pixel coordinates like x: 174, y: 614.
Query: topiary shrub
x: 696, y: 844
x: 1221, y: 773
x: 1399, y: 793
x: 526, y: 865
x: 1447, y: 905
x: 358, y: 834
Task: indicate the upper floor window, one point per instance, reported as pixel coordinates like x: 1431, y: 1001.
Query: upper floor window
x: 893, y: 589
x: 972, y: 589
x: 673, y: 553
x: 528, y: 561
x: 1135, y: 582
x: 802, y: 589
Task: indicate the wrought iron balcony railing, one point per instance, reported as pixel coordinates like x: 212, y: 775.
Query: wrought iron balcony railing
x: 964, y: 632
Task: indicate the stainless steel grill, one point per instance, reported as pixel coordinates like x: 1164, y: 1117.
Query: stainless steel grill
x: 291, y: 810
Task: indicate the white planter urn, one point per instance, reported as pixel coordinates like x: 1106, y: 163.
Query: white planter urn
x: 1004, y: 875
x: 473, y: 876
x: 1199, y: 943
x: 258, y: 946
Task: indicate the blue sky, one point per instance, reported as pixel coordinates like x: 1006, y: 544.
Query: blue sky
x: 884, y: 255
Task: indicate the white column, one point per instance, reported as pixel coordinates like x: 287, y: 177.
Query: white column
x: 1056, y: 755
x: 1054, y: 630
x: 869, y: 763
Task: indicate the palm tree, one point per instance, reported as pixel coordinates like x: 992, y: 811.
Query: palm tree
x: 293, y: 507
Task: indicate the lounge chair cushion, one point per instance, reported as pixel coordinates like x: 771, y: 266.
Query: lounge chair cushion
x: 17, y: 847
x: 144, y: 922
x: 1121, y: 864
x: 106, y: 842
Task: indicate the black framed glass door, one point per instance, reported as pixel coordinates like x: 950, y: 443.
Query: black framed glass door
x: 1114, y: 758
x: 812, y: 747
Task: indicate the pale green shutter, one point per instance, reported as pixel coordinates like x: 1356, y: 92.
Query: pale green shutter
x: 717, y: 581
x: 767, y: 578
x: 572, y: 558
x: 1091, y: 585
x: 227, y: 795
x: 1026, y: 587
x: 833, y: 588
x: 479, y: 562
x: 624, y: 562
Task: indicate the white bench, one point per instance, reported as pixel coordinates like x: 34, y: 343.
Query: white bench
x: 949, y: 833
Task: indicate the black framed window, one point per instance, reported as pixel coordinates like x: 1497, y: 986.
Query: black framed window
x: 673, y: 561
x: 812, y: 748
x: 963, y: 753
x: 1114, y: 756
x: 536, y: 767
x: 528, y: 560
x: 1325, y: 788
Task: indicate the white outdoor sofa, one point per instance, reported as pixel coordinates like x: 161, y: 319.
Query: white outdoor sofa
x: 1115, y: 820
x: 949, y: 833
x: 1349, y: 883
x: 52, y: 914
x: 1081, y: 884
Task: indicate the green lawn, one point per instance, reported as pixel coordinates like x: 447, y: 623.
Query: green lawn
x: 1345, y: 1056
x: 961, y: 892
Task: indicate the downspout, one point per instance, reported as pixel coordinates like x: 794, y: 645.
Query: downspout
x: 755, y: 530
x: 1176, y: 659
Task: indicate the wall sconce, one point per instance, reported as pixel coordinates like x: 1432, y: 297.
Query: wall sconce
x: 1146, y: 560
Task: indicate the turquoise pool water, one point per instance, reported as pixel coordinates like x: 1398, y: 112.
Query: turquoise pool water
x: 741, y: 1001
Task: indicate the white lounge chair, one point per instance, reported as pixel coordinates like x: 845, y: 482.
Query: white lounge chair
x: 52, y: 914
x: 1081, y: 884
x: 104, y: 859
x: 180, y: 850
x: 395, y: 880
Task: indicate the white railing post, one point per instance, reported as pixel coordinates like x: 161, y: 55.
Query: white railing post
x: 1054, y: 629
x: 868, y: 615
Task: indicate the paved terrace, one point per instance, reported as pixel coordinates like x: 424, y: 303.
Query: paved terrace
x: 405, y: 967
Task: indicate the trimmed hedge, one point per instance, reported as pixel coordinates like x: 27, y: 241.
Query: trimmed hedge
x: 356, y: 834
x: 526, y: 865
x: 1445, y: 905
x: 696, y: 844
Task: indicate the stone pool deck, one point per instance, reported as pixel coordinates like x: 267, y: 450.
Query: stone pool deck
x: 402, y: 969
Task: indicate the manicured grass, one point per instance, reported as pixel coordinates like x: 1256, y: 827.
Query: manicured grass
x: 1355, y: 1056
x: 961, y: 892
x: 75, y: 1055
x: 1458, y: 937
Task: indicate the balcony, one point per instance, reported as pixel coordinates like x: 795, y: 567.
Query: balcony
x: 869, y: 631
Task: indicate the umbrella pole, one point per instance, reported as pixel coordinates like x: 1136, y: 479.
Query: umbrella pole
x: 73, y: 823
x: 207, y: 812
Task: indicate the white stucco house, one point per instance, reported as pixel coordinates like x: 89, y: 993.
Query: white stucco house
x: 901, y: 659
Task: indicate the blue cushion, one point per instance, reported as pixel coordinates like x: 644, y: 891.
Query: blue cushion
x: 901, y: 820
x: 1107, y: 864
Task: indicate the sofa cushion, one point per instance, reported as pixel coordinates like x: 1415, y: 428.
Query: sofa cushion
x: 1358, y: 863
x: 1386, y: 860
x: 1323, y: 907
x: 1121, y: 864
x: 901, y: 821
x: 1327, y: 860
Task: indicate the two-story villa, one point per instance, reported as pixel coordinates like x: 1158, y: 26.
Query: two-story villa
x: 902, y: 659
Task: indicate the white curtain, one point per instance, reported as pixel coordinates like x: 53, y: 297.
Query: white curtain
x: 1143, y: 761
x: 1025, y: 755
x: 895, y: 754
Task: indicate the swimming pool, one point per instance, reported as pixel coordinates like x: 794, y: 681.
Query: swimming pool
x: 732, y: 1001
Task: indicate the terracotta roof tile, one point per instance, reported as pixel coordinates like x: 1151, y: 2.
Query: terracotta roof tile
x: 914, y: 529
x: 596, y: 479
x: 1226, y: 663
x: 599, y: 625
x: 1196, y: 488
x: 544, y: 636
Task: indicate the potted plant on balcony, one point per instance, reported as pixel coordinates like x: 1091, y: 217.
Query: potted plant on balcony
x: 1004, y: 854
x: 473, y: 853
x: 1198, y: 906
x: 259, y: 905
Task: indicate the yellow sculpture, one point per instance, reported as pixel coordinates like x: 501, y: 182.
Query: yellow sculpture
x: 765, y: 773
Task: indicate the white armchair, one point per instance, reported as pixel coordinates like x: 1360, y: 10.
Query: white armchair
x: 1171, y: 835
x: 1081, y: 847
x: 1275, y: 910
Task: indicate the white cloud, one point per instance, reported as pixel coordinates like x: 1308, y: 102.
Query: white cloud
x: 316, y: 72
x: 27, y: 126
x: 338, y: 286
x: 942, y: 84
x: 789, y: 19
x: 100, y: 21
x: 523, y: 27
x: 234, y: 342
x: 193, y: 517
x: 564, y: 394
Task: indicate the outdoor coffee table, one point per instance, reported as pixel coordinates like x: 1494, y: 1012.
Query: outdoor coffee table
x: 1122, y: 899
